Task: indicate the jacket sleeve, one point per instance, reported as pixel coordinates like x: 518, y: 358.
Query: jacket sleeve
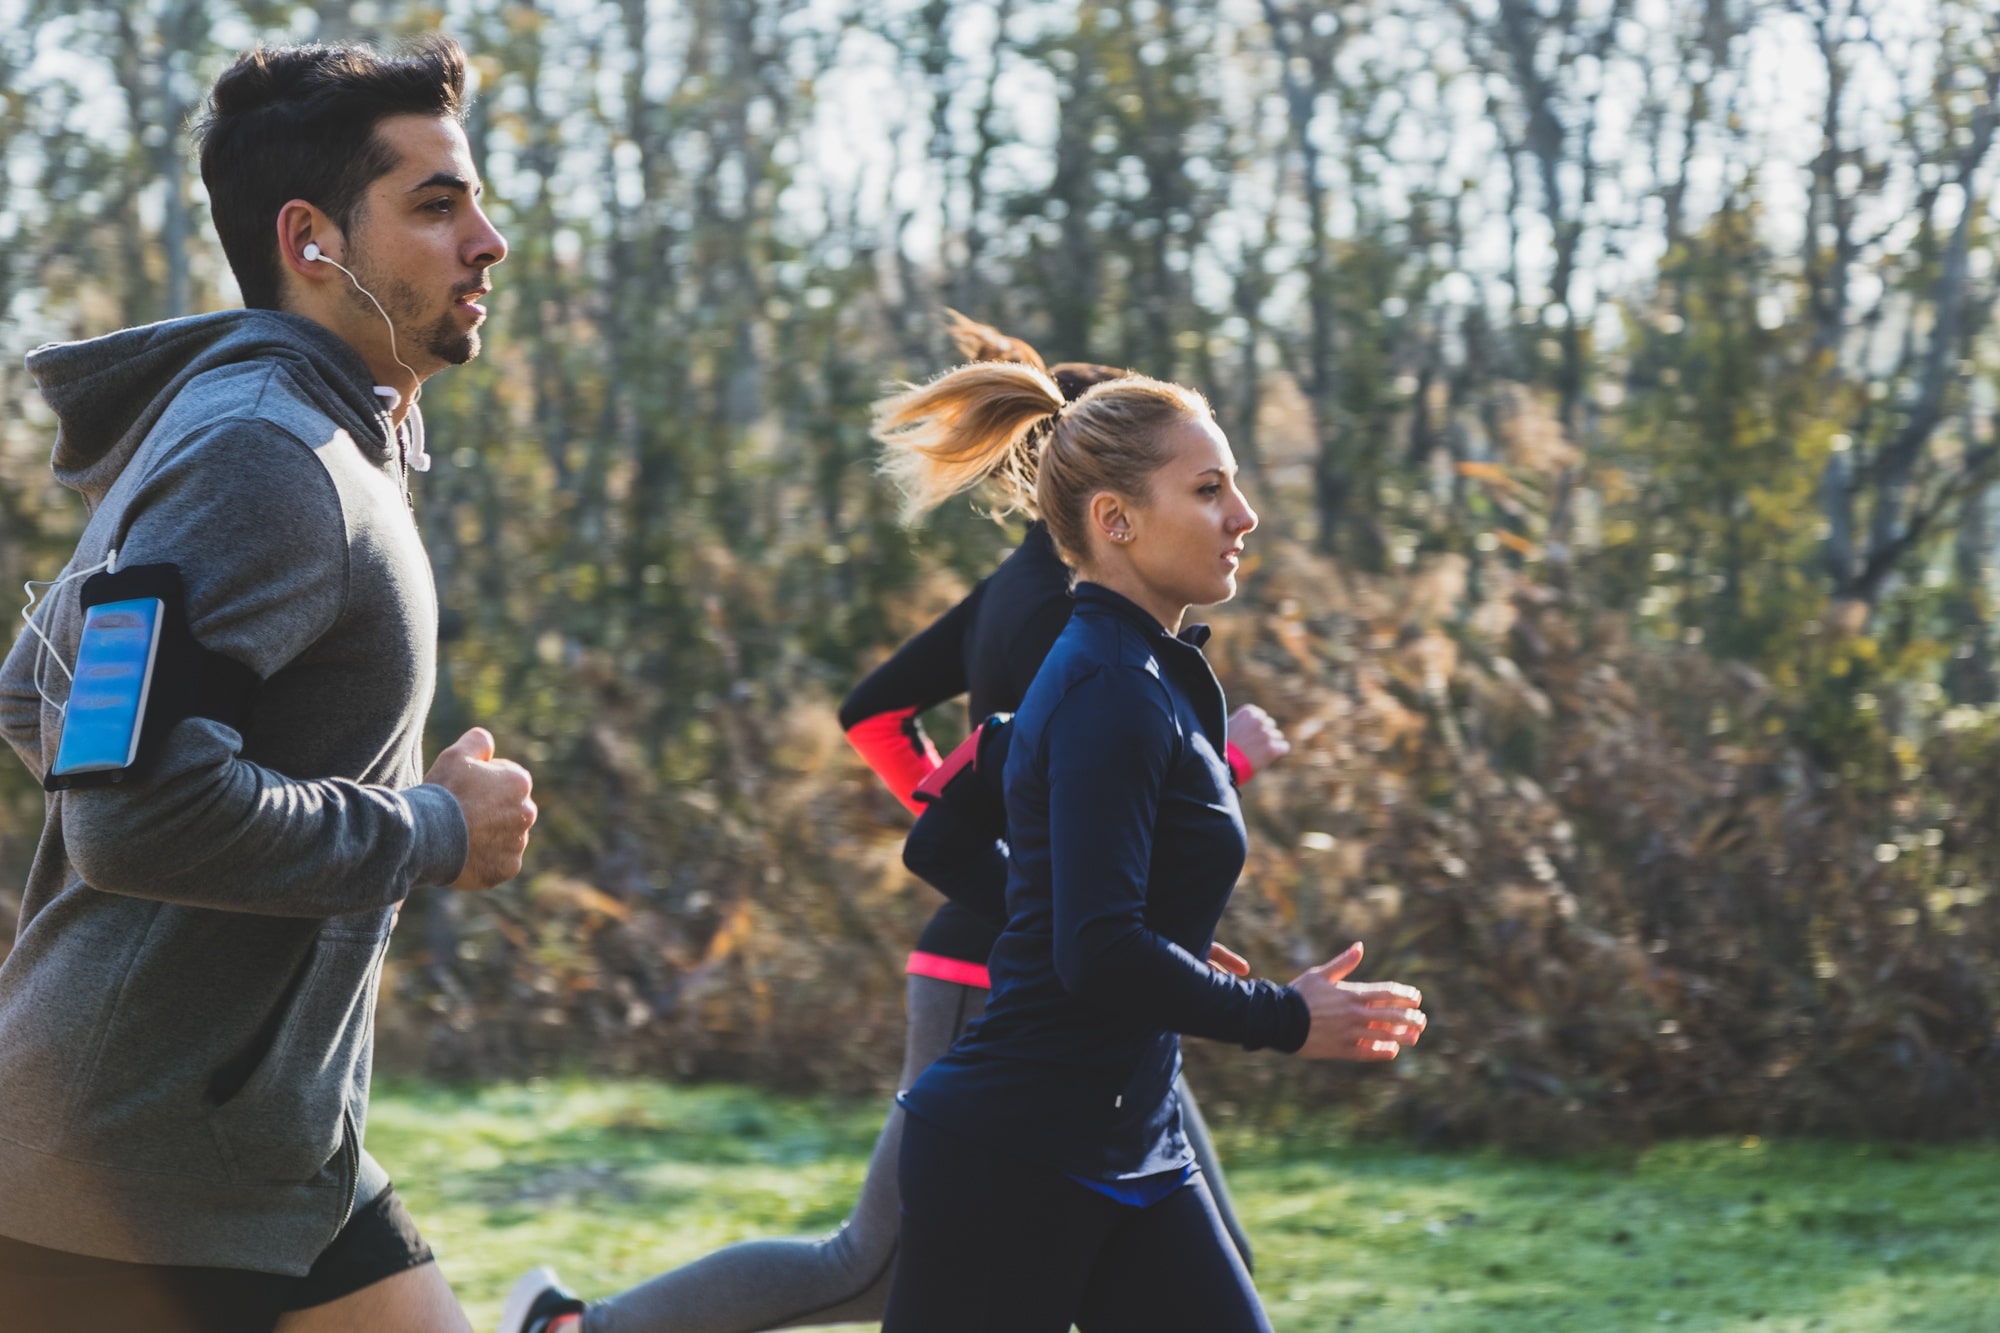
x: 20, y: 702
x: 880, y: 716
x: 964, y: 862
x: 958, y: 845
x: 1111, y: 743
x: 257, y: 528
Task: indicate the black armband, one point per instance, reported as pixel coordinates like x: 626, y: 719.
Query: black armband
x: 185, y: 679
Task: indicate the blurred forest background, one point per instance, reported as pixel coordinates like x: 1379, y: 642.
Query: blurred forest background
x: 1616, y: 380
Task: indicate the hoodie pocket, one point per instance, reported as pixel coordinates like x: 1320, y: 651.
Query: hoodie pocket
x: 286, y: 1122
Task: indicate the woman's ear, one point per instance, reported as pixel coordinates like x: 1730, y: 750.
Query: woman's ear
x: 1110, y: 518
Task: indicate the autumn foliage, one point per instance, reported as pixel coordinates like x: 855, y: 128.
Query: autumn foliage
x: 1634, y: 906
x: 1622, y: 420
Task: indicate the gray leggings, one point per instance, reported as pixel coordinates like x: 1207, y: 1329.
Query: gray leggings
x: 840, y: 1278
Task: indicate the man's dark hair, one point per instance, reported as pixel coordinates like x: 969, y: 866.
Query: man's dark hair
x: 298, y: 122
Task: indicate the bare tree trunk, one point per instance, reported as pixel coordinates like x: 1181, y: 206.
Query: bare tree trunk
x: 1901, y: 518
x: 969, y: 283
x: 1333, y: 480
x: 1969, y: 676
x: 1074, y: 293
x: 1251, y: 286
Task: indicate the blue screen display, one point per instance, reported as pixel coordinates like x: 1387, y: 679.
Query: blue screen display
x: 114, y: 672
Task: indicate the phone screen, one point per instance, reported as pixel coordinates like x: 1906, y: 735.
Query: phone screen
x: 114, y: 673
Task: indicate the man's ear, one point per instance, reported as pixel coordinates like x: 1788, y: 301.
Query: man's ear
x: 301, y: 224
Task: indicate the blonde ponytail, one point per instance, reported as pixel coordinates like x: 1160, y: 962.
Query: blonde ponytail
x: 964, y: 427
x: 983, y: 342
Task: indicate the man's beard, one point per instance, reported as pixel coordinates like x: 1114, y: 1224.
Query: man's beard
x: 451, y: 342
x: 443, y: 338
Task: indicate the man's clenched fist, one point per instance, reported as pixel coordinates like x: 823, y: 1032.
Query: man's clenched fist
x: 494, y: 795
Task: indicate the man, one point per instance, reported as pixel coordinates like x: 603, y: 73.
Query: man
x: 186, y: 1017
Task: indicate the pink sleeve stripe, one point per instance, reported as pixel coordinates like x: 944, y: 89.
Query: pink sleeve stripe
x: 1239, y: 764
x: 955, y: 970
x: 966, y: 752
x: 899, y: 752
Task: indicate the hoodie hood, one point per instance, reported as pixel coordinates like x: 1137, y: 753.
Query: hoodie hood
x: 108, y: 393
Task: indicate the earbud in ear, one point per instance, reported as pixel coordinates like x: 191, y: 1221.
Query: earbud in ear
x: 311, y: 252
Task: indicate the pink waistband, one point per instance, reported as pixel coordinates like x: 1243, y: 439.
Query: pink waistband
x: 955, y: 970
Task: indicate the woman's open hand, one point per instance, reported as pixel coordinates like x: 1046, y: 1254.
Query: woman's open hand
x: 1357, y: 1020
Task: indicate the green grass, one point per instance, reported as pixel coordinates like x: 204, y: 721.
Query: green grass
x: 616, y: 1181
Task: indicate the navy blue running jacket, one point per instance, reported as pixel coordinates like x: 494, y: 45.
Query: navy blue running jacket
x: 1126, y: 839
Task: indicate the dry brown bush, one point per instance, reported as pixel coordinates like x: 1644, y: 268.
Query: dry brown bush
x: 1634, y: 906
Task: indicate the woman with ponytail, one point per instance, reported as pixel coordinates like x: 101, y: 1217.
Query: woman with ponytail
x: 1046, y: 1173
x: 988, y: 648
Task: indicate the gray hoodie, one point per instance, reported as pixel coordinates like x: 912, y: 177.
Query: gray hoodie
x: 186, y: 1018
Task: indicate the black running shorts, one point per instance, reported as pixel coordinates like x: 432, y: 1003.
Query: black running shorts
x: 42, y: 1288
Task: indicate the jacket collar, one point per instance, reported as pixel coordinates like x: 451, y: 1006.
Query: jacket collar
x: 1097, y: 597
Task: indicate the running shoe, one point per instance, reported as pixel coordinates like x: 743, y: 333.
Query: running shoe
x: 540, y: 1303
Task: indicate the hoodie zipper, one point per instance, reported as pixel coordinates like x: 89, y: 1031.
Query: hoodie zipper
x: 395, y: 435
x: 350, y: 1161
x: 402, y: 464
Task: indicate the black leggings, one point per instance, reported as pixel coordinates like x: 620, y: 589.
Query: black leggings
x: 995, y: 1245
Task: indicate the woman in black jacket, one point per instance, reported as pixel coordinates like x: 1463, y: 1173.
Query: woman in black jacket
x: 988, y: 648
x: 1047, y: 1178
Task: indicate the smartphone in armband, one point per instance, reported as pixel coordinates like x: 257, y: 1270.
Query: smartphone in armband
x: 106, y: 713
x: 140, y: 673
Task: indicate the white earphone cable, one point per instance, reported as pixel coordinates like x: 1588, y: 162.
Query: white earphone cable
x: 315, y: 254
x: 109, y: 564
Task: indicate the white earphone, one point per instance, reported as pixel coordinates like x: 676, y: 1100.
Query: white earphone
x: 312, y: 255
